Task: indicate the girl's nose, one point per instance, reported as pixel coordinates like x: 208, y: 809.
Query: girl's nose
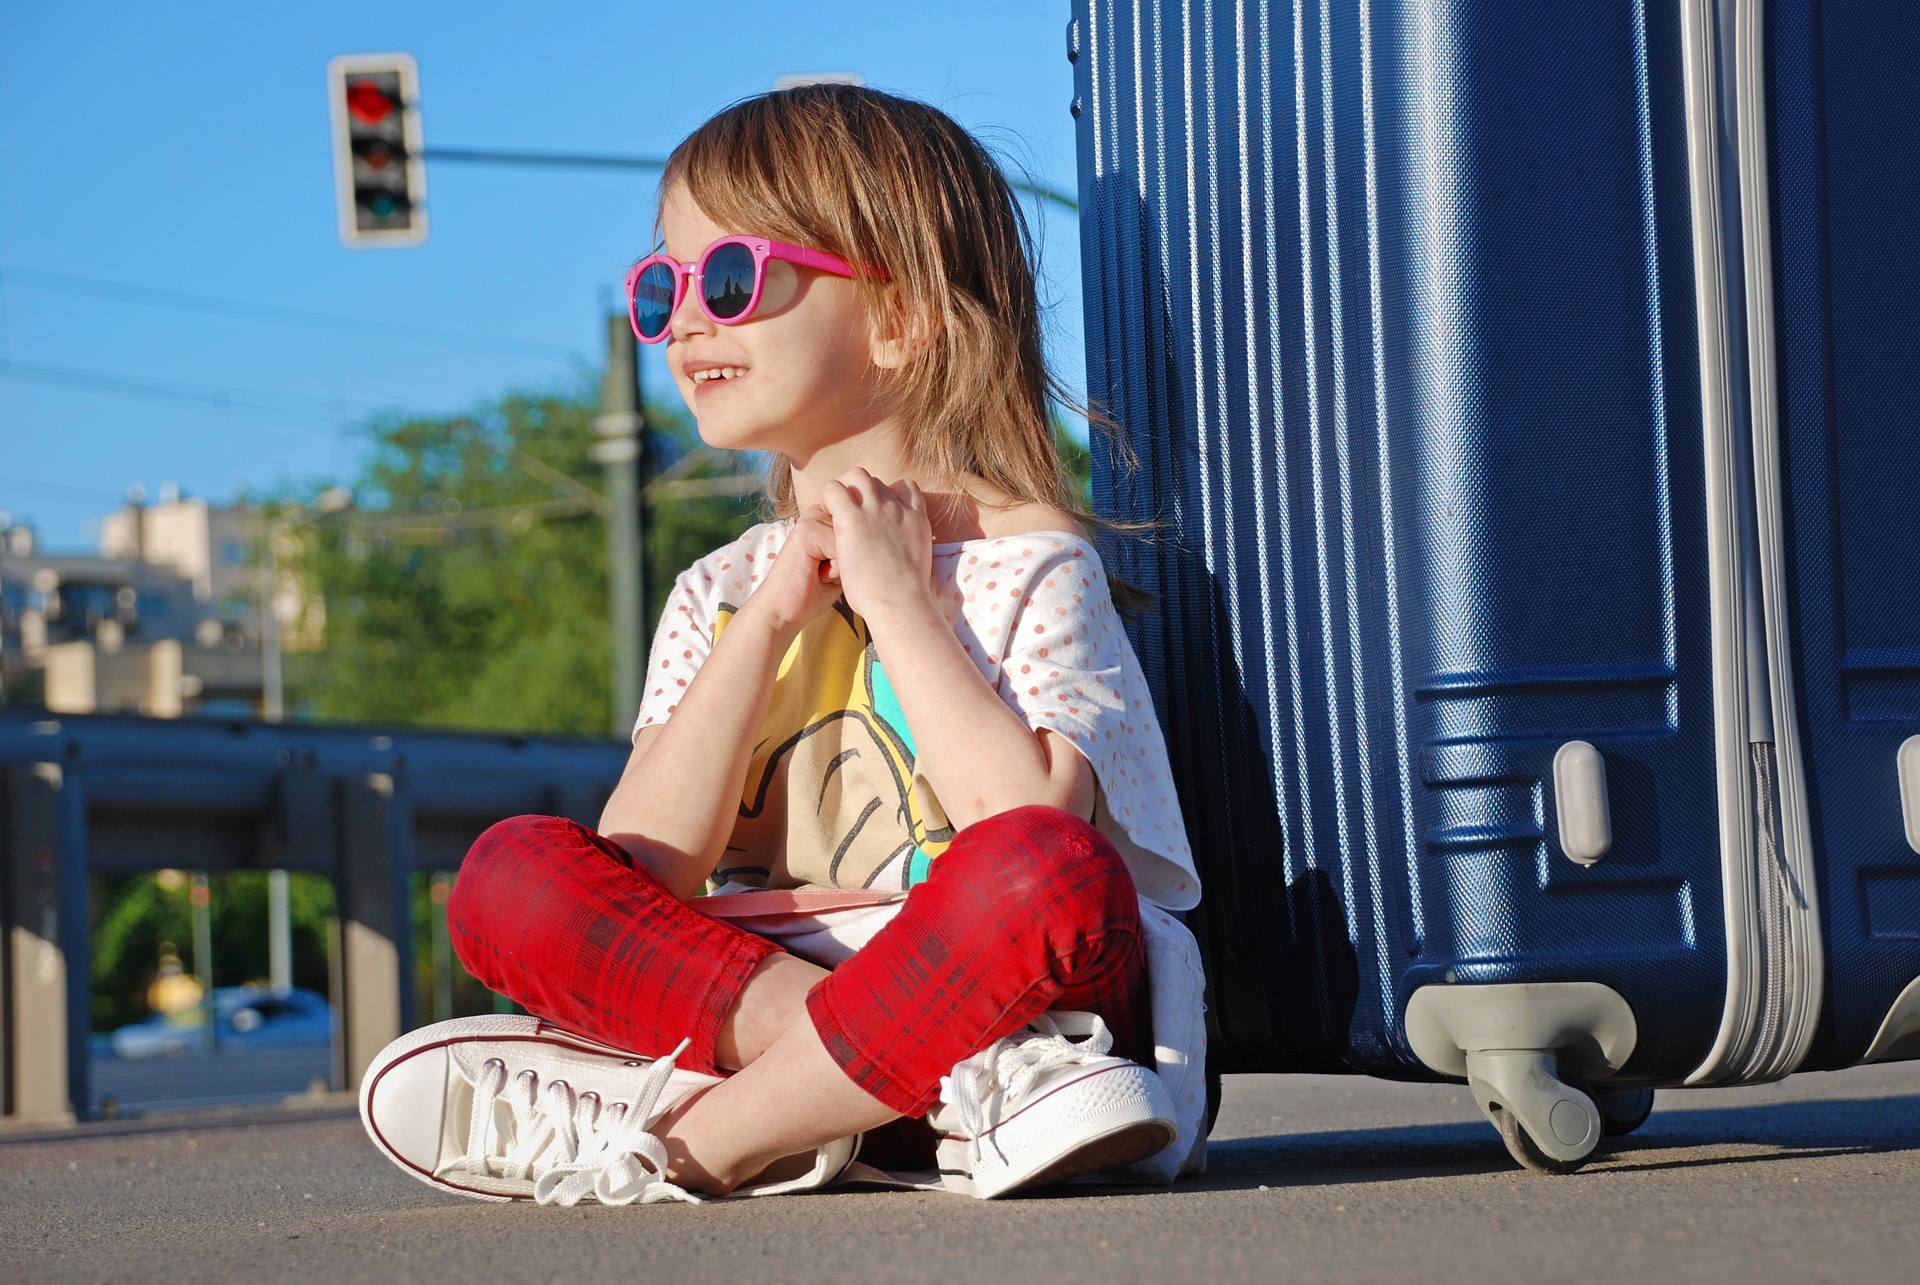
x: 689, y: 317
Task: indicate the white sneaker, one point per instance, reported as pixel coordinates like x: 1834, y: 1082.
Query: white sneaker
x: 511, y: 1108
x: 1045, y: 1105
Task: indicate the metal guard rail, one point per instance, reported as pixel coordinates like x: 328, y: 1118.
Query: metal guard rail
x: 94, y: 794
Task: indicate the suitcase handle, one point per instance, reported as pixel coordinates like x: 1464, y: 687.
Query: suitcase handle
x: 1909, y: 766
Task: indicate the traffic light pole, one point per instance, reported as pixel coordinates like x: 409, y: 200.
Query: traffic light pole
x: 621, y: 426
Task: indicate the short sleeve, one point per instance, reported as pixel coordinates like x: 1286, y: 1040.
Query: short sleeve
x: 681, y: 643
x: 1068, y: 667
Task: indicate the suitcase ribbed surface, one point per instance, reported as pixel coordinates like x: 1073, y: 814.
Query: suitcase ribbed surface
x: 1393, y: 304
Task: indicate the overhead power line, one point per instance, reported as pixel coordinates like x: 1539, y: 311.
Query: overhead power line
x: 60, y: 488
x: 174, y: 393
x: 672, y: 483
x: 558, y: 479
x: 403, y: 525
x: 606, y: 161
x: 276, y: 314
x: 181, y: 389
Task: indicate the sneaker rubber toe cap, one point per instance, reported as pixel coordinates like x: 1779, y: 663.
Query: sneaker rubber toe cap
x: 405, y: 1108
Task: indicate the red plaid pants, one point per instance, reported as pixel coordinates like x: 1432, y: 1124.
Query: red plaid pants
x: 1027, y: 911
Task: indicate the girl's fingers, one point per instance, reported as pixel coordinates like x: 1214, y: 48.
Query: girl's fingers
x: 864, y: 486
x: 853, y: 491
x: 814, y: 536
x: 838, y: 502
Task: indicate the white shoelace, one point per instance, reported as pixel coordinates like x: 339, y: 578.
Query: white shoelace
x: 568, y: 1143
x: 1007, y: 1068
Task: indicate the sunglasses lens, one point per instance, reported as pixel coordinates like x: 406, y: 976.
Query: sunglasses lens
x: 653, y: 300
x: 727, y: 282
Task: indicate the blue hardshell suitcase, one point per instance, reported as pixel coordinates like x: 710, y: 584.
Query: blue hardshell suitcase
x: 1537, y: 634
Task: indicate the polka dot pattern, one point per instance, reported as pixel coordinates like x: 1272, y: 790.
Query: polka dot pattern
x: 683, y: 638
x: 1033, y: 614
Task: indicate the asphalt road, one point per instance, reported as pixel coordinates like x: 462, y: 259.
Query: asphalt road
x: 1313, y: 1178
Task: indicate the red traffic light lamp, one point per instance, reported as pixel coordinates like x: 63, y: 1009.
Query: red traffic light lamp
x: 369, y: 103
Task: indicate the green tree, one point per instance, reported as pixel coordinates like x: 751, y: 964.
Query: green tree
x: 469, y: 589
x: 1076, y: 461
x: 134, y: 914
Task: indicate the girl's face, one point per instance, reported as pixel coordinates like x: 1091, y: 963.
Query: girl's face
x: 795, y: 377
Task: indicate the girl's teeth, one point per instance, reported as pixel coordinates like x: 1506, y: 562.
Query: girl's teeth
x: 717, y: 372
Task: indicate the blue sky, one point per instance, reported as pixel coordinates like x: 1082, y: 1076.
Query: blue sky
x: 185, y: 148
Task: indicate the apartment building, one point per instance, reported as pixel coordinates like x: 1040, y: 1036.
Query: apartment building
x: 164, y: 620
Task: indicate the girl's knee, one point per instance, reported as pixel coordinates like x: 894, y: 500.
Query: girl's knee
x: 508, y: 843
x: 494, y: 874
x: 1044, y: 858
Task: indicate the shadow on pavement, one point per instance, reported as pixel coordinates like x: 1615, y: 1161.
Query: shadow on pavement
x: 1674, y: 1138
x: 1791, y: 1130
x: 293, y: 1109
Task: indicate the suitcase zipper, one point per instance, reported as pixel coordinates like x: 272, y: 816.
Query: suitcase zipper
x: 1774, y: 955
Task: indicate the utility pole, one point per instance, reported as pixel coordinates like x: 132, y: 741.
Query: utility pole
x: 273, y: 708
x: 200, y: 897
x: 273, y: 684
x: 622, y: 426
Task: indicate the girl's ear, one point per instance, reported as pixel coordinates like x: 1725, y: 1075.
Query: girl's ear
x: 901, y: 332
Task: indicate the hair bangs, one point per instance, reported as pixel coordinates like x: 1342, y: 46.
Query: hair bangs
x: 897, y: 186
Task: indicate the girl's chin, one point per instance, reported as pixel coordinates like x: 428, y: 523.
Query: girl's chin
x: 723, y: 436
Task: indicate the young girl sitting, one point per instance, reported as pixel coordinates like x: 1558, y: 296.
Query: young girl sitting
x: 898, y: 729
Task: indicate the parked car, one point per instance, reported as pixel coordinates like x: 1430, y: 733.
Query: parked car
x: 244, y: 1017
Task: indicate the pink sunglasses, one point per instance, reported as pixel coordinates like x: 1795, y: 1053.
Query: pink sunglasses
x: 731, y: 273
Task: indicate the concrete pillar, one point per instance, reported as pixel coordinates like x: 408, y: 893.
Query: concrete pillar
x: 376, y: 927
x: 33, y: 1045
x: 165, y: 670
x: 71, y: 688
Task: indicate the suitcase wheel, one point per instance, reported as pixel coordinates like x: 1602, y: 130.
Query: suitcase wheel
x: 1522, y: 1147
x: 1549, y: 1126
x: 1623, y: 1110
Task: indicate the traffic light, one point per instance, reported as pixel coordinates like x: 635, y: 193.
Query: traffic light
x: 380, y: 174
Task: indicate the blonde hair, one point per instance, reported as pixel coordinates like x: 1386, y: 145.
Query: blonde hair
x: 897, y: 185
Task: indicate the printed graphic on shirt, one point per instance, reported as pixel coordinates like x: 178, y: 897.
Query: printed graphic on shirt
x: 1032, y: 613
x: 831, y: 798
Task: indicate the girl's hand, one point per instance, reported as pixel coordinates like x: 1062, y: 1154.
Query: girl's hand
x: 803, y: 581
x: 883, y: 543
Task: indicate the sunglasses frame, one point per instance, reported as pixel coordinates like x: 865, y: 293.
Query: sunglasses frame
x: 683, y: 273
